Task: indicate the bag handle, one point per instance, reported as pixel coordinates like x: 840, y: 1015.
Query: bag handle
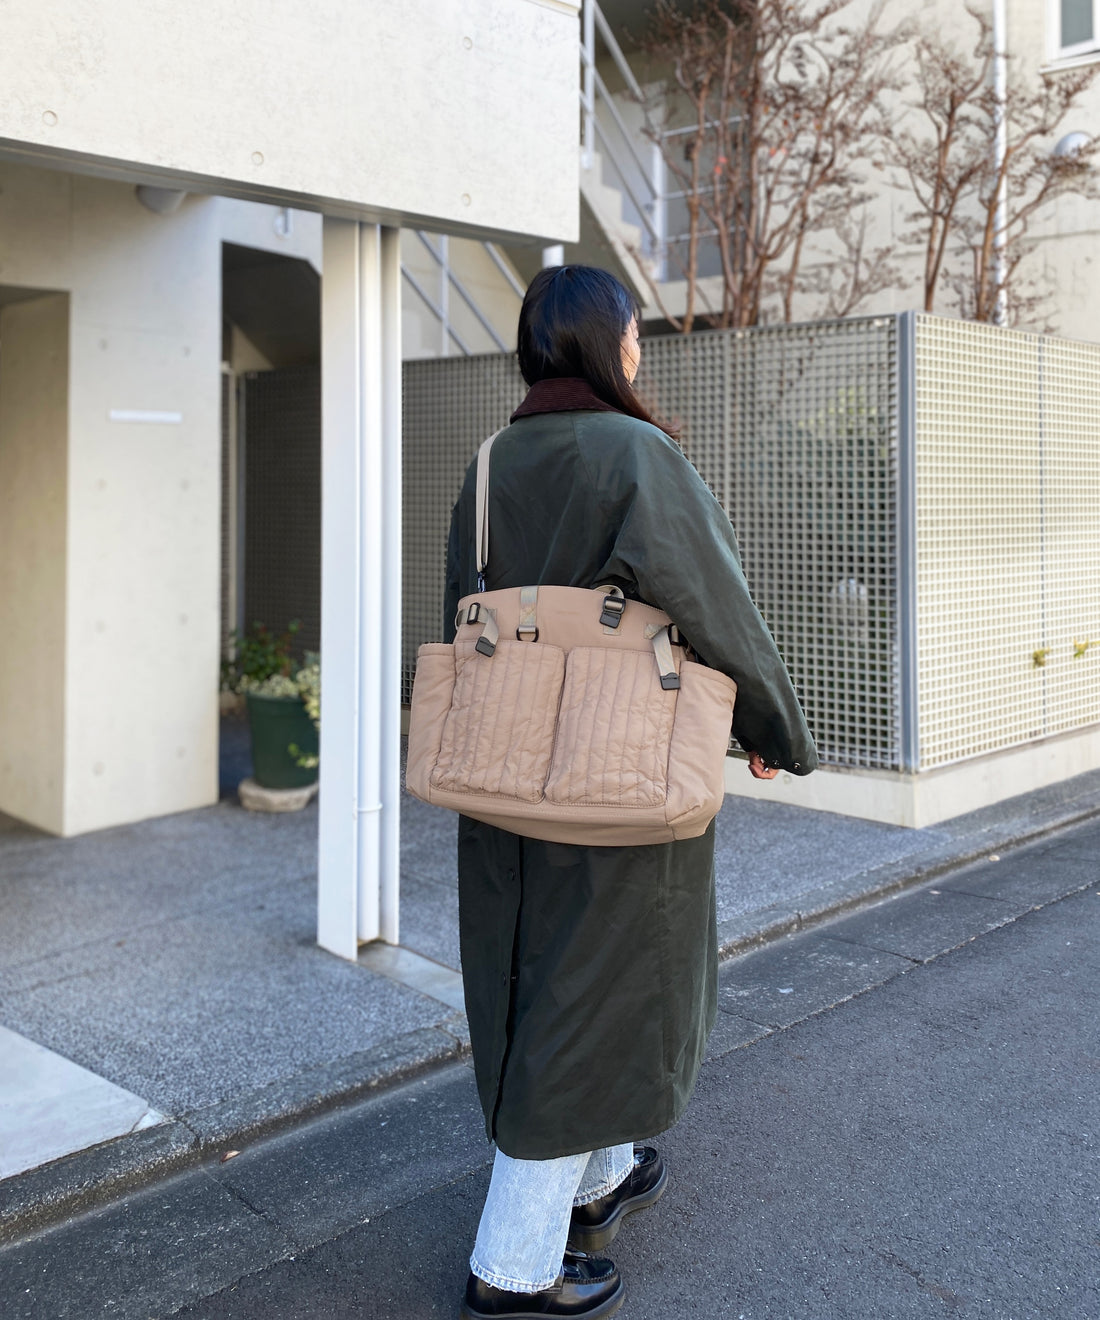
x: 481, y: 519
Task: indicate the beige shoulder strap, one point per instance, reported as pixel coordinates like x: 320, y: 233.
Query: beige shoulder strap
x: 482, y: 508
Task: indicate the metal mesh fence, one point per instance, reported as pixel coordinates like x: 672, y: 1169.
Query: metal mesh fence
x: 449, y: 405
x: 798, y: 431
x: 1007, y: 488
x: 227, y: 556
x: 794, y: 428
x: 282, y: 498
x: 1071, y: 532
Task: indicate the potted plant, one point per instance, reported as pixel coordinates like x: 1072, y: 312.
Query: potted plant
x: 283, y: 701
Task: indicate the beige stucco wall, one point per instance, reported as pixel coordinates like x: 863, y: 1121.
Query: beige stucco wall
x: 34, y: 352
x: 407, y: 111
x: 1064, y: 263
x: 138, y: 502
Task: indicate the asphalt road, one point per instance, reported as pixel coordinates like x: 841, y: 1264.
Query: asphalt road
x: 898, y: 1119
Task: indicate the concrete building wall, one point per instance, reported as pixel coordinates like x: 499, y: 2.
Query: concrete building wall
x: 34, y: 354
x: 141, y: 691
x: 457, y: 116
x: 129, y: 509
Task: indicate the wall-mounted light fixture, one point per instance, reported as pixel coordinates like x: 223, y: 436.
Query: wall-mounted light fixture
x: 161, y: 201
x: 1071, y: 145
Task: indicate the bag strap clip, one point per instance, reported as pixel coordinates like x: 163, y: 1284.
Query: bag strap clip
x: 662, y: 652
x: 613, y: 605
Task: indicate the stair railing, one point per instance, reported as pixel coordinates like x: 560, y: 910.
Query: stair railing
x: 441, y: 309
x: 645, y: 185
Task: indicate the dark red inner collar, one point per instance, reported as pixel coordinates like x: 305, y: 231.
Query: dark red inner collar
x: 561, y: 394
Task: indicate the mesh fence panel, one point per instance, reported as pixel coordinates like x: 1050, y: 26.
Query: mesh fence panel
x: 1008, y: 483
x: 1071, y: 532
x: 795, y: 430
x: 449, y: 405
x: 227, y: 557
x: 282, y: 491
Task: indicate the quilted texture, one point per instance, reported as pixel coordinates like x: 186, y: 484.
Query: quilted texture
x: 614, y: 729
x: 499, y: 735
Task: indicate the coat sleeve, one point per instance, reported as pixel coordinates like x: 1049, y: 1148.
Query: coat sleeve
x: 675, y: 541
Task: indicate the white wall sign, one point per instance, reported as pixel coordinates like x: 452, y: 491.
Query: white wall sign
x: 144, y: 415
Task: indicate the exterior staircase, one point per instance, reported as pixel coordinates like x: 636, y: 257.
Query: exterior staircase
x: 606, y: 206
x: 466, y: 306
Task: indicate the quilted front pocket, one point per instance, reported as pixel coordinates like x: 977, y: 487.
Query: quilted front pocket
x: 614, y: 730
x: 499, y: 735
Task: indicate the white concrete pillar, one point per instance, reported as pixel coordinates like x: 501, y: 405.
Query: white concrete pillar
x: 357, y: 896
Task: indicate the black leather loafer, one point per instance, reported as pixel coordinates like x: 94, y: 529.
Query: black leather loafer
x: 595, y: 1224
x: 588, y: 1287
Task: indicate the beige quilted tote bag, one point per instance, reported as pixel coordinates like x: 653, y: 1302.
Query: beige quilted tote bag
x: 568, y: 714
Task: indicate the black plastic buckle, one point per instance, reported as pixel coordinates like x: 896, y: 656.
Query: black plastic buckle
x: 527, y: 628
x: 485, y: 647
x: 612, y: 613
x: 473, y: 612
x: 670, y: 682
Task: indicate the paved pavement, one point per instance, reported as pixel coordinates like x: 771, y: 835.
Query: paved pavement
x: 898, y: 1118
x: 168, y: 996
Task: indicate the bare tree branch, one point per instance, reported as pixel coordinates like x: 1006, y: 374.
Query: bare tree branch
x: 956, y: 178
x: 764, y: 124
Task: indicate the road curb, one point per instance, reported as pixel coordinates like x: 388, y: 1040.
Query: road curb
x: 743, y: 934
x: 87, y: 1178
x: 46, y: 1195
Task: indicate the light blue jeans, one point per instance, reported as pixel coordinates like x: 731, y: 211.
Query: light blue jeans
x: 524, y: 1226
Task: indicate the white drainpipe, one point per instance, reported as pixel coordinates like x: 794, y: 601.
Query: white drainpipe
x: 1000, y: 148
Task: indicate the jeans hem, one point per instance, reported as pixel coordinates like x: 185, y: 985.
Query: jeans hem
x: 510, y: 1285
x: 604, y: 1189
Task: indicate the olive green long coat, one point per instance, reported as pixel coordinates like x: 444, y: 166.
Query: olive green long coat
x: 591, y: 973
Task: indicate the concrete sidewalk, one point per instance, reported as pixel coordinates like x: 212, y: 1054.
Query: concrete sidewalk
x: 175, y: 962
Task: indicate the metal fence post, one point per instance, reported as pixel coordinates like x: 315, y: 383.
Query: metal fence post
x: 908, y: 703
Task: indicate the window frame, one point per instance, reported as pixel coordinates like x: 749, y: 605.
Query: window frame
x: 1080, y: 50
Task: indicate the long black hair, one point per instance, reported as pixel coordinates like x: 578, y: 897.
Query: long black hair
x: 572, y: 323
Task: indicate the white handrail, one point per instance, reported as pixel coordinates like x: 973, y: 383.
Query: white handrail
x: 638, y: 206
x: 588, y: 86
x: 464, y: 294
x: 506, y: 270
x: 642, y: 167
x: 615, y: 49
x: 434, y: 308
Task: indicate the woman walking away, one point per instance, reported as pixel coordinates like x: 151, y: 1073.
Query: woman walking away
x: 591, y: 972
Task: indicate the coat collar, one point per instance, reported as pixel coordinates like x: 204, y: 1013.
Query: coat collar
x: 561, y: 394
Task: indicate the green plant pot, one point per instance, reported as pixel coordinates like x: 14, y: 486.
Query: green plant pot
x: 275, y: 723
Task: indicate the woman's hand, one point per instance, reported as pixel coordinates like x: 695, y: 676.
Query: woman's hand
x: 758, y: 769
